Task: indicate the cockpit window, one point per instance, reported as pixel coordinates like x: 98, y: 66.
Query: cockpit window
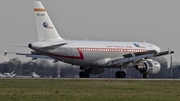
x: 149, y: 63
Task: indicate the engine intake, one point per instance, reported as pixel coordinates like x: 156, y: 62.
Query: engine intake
x: 149, y: 67
x: 142, y: 68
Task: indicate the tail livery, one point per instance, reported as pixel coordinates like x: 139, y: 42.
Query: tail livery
x: 45, y: 27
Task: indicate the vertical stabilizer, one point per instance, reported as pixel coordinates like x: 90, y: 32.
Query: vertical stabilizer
x: 45, y: 27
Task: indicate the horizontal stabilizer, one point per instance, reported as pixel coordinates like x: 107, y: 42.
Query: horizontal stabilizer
x: 33, y: 56
x: 17, y: 45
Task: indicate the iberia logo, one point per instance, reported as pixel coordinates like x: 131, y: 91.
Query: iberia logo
x: 46, y: 25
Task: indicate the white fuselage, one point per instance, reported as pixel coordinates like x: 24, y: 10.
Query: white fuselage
x: 84, y: 53
x: 92, y: 56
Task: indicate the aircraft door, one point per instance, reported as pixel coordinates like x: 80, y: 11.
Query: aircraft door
x: 70, y: 49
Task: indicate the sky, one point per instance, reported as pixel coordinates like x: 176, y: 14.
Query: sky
x: 153, y: 21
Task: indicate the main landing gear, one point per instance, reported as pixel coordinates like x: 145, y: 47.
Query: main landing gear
x: 120, y: 74
x: 84, y: 73
x: 145, y: 76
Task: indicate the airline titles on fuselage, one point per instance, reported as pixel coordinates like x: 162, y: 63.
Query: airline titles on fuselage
x: 123, y: 46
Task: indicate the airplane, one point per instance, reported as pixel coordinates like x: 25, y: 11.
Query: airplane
x: 92, y: 57
x: 34, y: 75
x: 8, y: 75
x: 2, y: 76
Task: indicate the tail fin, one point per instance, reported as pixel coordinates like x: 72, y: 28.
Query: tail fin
x: 45, y: 27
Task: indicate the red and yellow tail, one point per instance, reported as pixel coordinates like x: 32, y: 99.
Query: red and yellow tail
x: 45, y: 27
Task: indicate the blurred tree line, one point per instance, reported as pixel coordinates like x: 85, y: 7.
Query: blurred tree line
x: 41, y: 67
x: 45, y: 68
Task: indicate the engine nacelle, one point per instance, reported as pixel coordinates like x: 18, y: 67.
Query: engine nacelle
x: 149, y: 67
x: 95, y: 70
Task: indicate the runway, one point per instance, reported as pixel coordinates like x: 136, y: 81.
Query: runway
x: 108, y: 79
x: 118, y: 79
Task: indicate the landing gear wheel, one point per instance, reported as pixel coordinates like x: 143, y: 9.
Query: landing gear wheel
x: 120, y: 74
x: 81, y: 74
x: 81, y: 68
x: 145, y: 76
x: 86, y: 75
x: 85, y: 72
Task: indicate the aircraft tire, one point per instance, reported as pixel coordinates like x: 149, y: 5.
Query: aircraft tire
x: 122, y: 74
x: 81, y: 68
x: 145, y: 76
x: 81, y: 74
x: 117, y: 74
x: 86, y: 75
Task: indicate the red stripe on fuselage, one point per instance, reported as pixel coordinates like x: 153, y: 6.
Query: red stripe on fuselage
x: 80, y: 57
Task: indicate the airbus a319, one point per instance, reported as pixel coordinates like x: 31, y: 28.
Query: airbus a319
x: 93, y: 57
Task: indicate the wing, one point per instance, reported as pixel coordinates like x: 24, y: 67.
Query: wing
x: 136, y: 57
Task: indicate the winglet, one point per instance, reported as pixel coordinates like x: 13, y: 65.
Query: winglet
x: 5, y: 52
x: 170, y: 52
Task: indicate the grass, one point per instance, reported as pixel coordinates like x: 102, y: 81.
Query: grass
x: 88, y: 90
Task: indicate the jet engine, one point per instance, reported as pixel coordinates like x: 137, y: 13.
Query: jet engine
x: 149, y: 67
